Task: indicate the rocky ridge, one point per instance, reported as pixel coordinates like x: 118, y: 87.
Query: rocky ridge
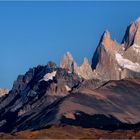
x: 84, y: 70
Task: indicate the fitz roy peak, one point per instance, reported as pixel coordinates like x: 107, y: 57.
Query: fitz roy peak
x: 132, y: 34
x: 114, y: 61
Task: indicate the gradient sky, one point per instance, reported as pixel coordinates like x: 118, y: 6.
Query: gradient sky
x: 33, y: 33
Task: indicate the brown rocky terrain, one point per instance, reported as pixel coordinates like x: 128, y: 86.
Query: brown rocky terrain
x: 72, y: 132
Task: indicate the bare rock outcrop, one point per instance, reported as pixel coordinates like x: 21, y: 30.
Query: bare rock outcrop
x: 3, y: 91
x: 85, y: 70
x: 104, y: 61
x: 68, y: 63
x: 132, y: 34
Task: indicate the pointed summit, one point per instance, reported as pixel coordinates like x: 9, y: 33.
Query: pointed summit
x: 85, y: 70
x: 85, y: 61
x: 69, y: 55
x: 137, y: 22
x: 67, y: 62
x: 103, y: 59
x: 105, y: 43
x: 106, y: 39
x: 106, y: 35
x: 132, y: 34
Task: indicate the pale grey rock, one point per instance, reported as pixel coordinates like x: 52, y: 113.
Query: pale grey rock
x: 68, y: 63
x: 104, y: 61
x: 85, y: 70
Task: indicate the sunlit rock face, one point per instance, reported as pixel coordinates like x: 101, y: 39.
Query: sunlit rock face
x: 104, y: 61
x: 111, y: 60
x: 131, y: 54
x: 68, y: 63
x: 132, y: 34
x: 84, y: 70
x: 132, y: 42
x: 3, y: 91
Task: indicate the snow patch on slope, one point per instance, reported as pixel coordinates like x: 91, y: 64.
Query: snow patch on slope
x: 125, y: 63
x: 136, y: 48
x: 67, y: 88
x: 49, y: 76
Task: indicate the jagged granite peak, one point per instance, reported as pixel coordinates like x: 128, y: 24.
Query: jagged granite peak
x: 3, y: 91
x: 106, y: 39
x: 137, y: 37
x: 137, y: 22
x: 67, y: 62
x: 103, y: 61
x: 132, y: 34
x: 105, y: 42
x: 69, y: 56
x: 85, y: 61
x: 85, y: 70
x: 131, y: 43
x: 114, y: 61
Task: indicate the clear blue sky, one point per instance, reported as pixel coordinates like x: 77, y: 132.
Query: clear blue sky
x: 33, y: 33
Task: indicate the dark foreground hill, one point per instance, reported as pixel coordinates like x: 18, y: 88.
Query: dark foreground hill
x: 48, y: 95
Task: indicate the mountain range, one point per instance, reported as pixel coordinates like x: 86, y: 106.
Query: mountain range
x: 111, y: 60
x: 104, y: 95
